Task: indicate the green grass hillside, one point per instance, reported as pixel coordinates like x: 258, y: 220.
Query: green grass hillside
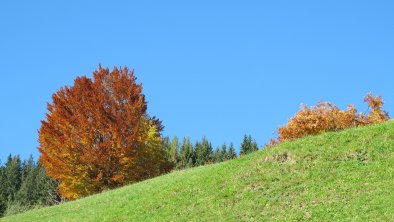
x: 344, y: 176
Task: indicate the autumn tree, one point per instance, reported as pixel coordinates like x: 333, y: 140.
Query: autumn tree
x: 98, y: 135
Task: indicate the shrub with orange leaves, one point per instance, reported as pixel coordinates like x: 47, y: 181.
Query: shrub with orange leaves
x: 326, y: 116
x: 98, y: 135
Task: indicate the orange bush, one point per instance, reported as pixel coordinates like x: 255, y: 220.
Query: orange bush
x: 326, y: 116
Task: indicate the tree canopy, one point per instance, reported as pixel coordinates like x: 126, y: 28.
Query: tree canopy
x: 98, y: 135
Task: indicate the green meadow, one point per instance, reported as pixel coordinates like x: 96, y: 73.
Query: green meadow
x: 338, y: 176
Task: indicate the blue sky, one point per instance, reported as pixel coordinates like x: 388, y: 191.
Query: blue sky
x: 214, y: 68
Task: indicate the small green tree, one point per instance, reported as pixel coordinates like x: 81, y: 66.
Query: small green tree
x: 255, y: 147
x: 3, y: 201
x: 231, y: 154
x: 224, y: 152
x: 217, y: 155
x: 166, y: 146
x: 46, y: 188
x: 12, y: 177
x: 204, y: 152
x: 186, y: 154
x: 174, y: 150
x: 26, y: 194
x: 248, y: 145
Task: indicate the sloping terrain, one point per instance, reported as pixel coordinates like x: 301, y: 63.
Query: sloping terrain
x: 343, y: 176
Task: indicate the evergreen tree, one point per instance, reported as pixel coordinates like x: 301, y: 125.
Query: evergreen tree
x: 166, y: 146
x: 198, y: 152
x: 217, y: 156
x: 3, y: 200
x: 24, y: 186
x: 186, y: 154
x: 46, y: 188
x: 255, y: 147
x: 174, y: 150
x: 12, y: 177
x: 224, y: 152
x: 245, y: 146
x: 27, y: 167
x: 204, y: 152
x: 231, y: 154
x: 248, y: 145
x: 26, y: 194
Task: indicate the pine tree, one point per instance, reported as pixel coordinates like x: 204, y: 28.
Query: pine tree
x: 3, y: 200
x: 204, y: 152
x: 12, y: 177
x: 46, y: 188
x: 198, y: 152
x: 255, y: 147
x: 35, y: 187
x: 217, y: 155
x: 231, y: 154
x: 224, y: 152
x: 174, y: 150
x: 26, y: 194
x: 245, y: 146
x: 186, y: 154
x: 248, y: 145
x: 166, y: 146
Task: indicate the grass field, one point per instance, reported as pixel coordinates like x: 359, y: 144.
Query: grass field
x: 343, y: 176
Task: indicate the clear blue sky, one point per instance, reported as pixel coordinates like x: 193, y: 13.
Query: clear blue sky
x: 214, y: 68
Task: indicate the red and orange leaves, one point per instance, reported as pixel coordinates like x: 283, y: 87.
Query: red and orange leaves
x: 98, y: 135
x: 326, y: 116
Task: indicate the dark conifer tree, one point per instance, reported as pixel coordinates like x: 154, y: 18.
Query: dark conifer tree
x: 245, y: 146
x: 224, y: 152
x: 186, y: 154
x: 166, y: 146
x: 174, y: 150
x: 255, y: 147
x: 26, y: 195
x: 24, y: 186
x: 198, y: 151
x: 12, y: 177
x: 248, y: 145
x: 3, y: 201
x: 46, y: 188
x: 204, y: 152
x: 231, y: 154
x: 217, y: 155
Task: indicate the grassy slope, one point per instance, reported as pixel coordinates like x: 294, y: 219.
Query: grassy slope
x: 335, y: 176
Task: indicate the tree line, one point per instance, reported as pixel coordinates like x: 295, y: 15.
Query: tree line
x: 185, y: 154
x: 25, y: 185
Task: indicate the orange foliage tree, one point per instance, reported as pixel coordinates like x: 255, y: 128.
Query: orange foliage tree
x: 98, y: 135
x: 326, y: 116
